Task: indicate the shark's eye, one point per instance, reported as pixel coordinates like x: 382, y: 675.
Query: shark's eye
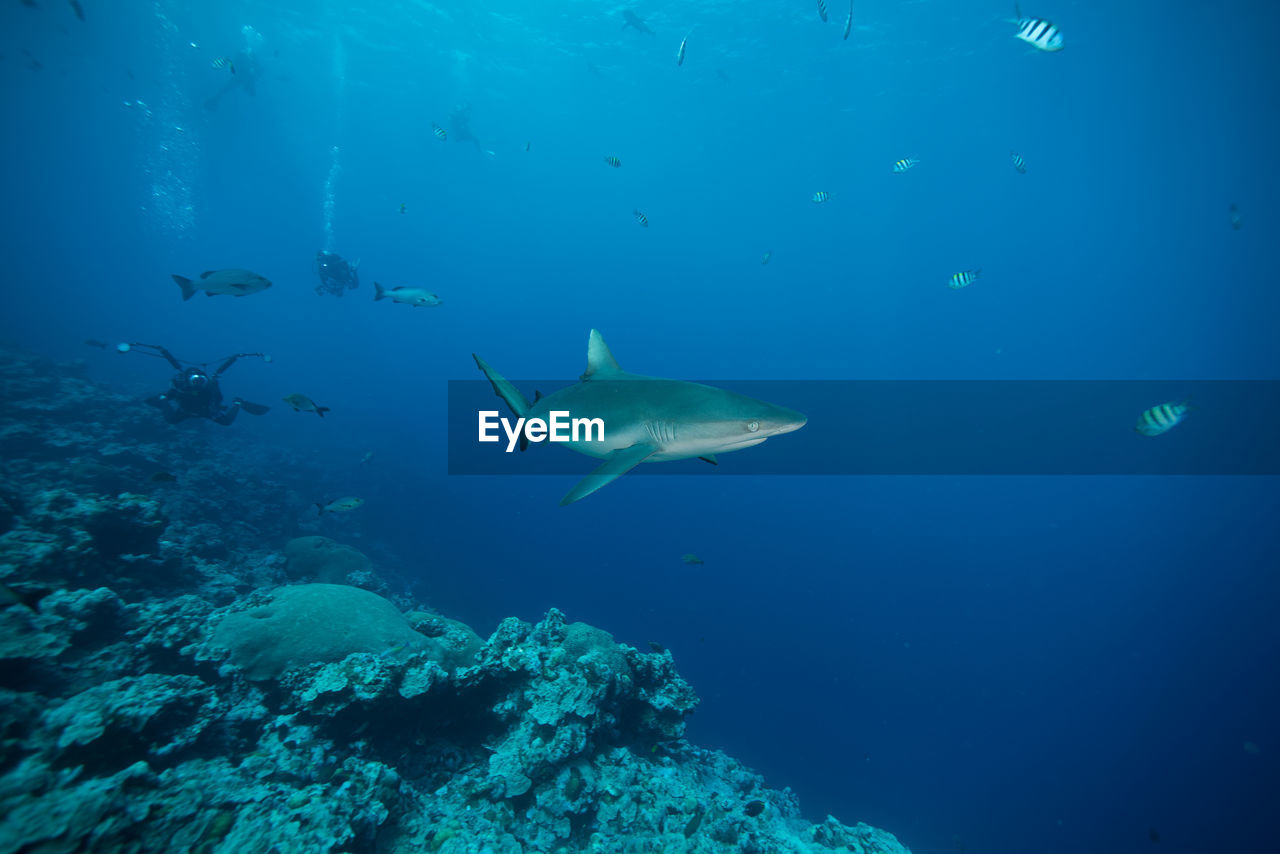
x: 753, y: 426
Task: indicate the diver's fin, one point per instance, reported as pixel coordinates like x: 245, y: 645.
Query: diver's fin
x: 503, y: 388
x: 615, y: 465
x: 599, y: 359
x: 254, y: 408
x: 188, y: 289
x: 710, y: 458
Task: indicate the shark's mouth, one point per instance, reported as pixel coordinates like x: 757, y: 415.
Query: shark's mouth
x: 745, y: 442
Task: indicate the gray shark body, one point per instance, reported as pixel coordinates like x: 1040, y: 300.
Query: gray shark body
x: 647, y: 419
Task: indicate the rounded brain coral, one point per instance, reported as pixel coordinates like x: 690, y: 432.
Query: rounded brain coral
x: 307, y: 623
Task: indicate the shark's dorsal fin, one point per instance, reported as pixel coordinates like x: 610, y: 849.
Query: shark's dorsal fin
x: 599, y: 359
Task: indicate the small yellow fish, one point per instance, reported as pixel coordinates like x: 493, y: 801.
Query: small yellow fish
x: 223, y: 62
x: 613, y: 161
x: 1018, y: 162
x: 820, y: 197
x: 765, y: 259
x: 900, y: 166
x: 439, y: 133
x: 340, y: 505
x: 641, y: 218
x: 692, y: 559
x: 402, y: 206
x: 964, y: 279
x: 1161, y: 419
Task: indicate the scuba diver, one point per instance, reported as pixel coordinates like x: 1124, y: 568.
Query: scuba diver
x: 193, y: 391
x: 460, y: 127
x: 337, y: 274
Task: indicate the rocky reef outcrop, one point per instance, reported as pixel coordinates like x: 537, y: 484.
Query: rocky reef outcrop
x: 174, y: 679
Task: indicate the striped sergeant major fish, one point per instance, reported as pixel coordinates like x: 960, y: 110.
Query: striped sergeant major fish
x: 848, y: 24
x: 820, y: 197
x: 1161, y: 419
x: 613, y: 161
x: 822, y: 11
x: 1038, y: 33
x: 1018, y: 162
x: 900, y: 166
x: 439, y: 133
x: 640, y: 218
x: 963, y: 279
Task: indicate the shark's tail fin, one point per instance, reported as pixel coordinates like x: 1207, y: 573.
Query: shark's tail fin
x: 503, y: 388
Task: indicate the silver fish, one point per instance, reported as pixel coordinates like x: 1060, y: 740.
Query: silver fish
x: 406, y: 296
x: 302, y: 403
x: 236, y: 283
x: 340, y: 505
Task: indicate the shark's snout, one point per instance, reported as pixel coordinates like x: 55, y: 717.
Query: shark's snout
x: 787, y: 421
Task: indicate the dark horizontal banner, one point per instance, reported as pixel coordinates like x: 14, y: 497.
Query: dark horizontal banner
x: 880, y: 427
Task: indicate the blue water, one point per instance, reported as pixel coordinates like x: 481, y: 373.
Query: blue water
x: 980, y: 664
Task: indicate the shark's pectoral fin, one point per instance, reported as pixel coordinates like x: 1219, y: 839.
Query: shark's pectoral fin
x: 710, y: 458
x: 615, y: 465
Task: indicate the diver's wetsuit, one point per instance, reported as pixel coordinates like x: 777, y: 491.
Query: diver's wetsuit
x: 336, y: 273
x: 193, y: 393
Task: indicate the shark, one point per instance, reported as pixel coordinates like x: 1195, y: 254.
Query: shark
x: 631, y: 19
x: 646, y: 419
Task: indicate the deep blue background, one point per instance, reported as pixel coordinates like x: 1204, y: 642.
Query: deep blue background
x: 1008, y: 664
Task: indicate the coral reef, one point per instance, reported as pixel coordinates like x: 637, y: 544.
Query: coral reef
x: 166, y: 684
